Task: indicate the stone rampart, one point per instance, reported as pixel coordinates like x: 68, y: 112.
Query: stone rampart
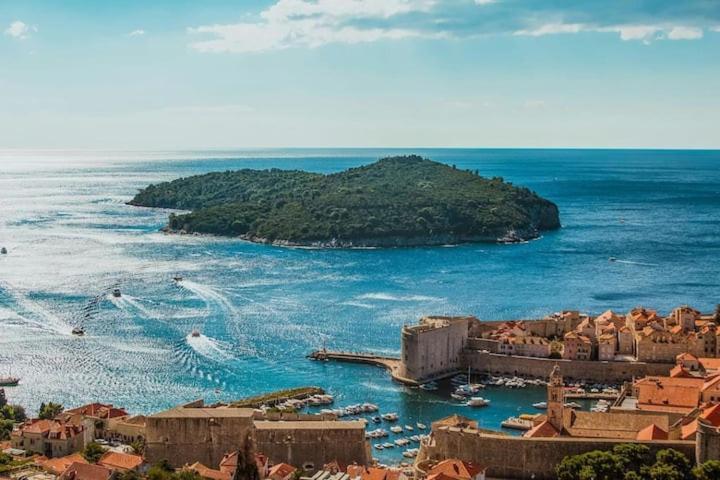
x: 596, y: 371
x: 522, y: 458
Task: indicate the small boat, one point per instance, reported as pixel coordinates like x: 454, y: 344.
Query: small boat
x: 388, y: 445
x: 415, y: 438
x: 540, y: 405
x: 612, y: 259
x: 517, y: 423
x: 421, y: 426
x: 390, y: 417
x: 401, y: 442
x: 177, y: 279
x: 459, y: 398
x: 3, y: 251
x: 376, y: 419
x: 572, y: 405
x: 478, y: 402
x: 396, y: 429
x: 409, y: 428
x: 9, y: 381
x: 116, y: 293
x: 430, y: 386
x: 195, y: 333
x: 378, y: 446
x: 79, y: 331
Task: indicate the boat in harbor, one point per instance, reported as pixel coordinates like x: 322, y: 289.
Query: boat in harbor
x: 421, y: 426
x: 540, y: 405
x: 177, y: 279
x: 458, y: 397
x: 396, y: 429
x: 390, y: 417
x: 388, y: 445
x: 378, y: 446
x: 478, y: 402
x: 9, y: 381
x: 78, y: 331
x: 409, y: 428
x: 401, y: 442
x: 572, y: 405
x: 376, y: 419
x: 517, y: 423
x: 116, y: 293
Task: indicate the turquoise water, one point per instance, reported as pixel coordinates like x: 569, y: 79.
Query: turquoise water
x: 261, y: 309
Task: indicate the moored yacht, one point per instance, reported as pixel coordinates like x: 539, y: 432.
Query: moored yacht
x: 9, y: 381
x: 478, y: 402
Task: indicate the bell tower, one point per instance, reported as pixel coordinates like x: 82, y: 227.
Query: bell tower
x: 556, y: 399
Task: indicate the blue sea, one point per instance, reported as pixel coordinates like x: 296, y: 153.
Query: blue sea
x: 71, y: 239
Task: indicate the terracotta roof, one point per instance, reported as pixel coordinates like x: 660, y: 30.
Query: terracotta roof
x: 121, y: 461
x: 209, y: 473
x: 710, y: 413
x: 229, y: 461
x: 98, y: 410
x: 60, y: 464
x: 85, y: 471
x: 680, y: 371
x: 711, y: 382
x: 652, y: 432
x: 542, y: 430
x: 687, y: 356
x: 710, y: 363
x: 668, y: 394
x: 50, y: 428
x: 457, y: 469
x: 281, y: 470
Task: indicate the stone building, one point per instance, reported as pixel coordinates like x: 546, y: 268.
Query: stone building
x: 195, y: 433
x: 433, y: 347
x: 51, y: 438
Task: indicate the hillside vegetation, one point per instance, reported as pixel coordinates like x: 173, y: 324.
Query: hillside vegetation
x: 393, y: 202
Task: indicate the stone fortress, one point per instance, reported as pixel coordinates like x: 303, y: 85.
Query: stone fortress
x: 606, y: 348
x: 565, y: 431
x: 198, y: 433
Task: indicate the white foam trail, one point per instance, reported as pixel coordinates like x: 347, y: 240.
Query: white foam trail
x: 42, y: 317
x: 630, y: 262
x: 397, y: 298
x: 210, y: 295
x: 208, y: 347
x: 128, y: 303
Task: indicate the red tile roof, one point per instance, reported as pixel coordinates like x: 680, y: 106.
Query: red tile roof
x: 58, y: 465
x: 544, y: 429
x: 121, y: 461
x: 209, y: 473
x: 454, y: 468
x: 281, y: 470
x: 98, y: 410
x: 652, y: 432
x: 84, y: 471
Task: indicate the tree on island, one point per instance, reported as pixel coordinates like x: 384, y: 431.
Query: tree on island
x: 50, y: 410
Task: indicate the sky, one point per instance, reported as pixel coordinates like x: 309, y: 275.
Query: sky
x: 203, y: 74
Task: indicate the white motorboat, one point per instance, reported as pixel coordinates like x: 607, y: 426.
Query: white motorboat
x: 430, y: 386
x: 378, y: 446
x: 409, y: 428
x: 396, y: 429
x: 540, y: 405
x: 478, y: 402
x: 390, y: 417
x: 421, y: 426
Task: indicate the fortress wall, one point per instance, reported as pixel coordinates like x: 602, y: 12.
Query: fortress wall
x: 200, y: 439
x: 523, y: 458
x: 609, y: 372
x: 313, y: 448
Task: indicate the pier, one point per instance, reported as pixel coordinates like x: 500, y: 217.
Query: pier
x: 391, y: 364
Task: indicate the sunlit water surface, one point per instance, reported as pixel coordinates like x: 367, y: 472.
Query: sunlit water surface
x: 261, y: 309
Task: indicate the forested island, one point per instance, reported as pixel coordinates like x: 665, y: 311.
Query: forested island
x: 396, y: 201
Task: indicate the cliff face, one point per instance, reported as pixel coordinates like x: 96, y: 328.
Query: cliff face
x: 399, y: 201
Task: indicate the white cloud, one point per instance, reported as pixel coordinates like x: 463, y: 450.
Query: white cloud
x: 551, y: 29
x: 644, y: 33
x: 484, y: 2
x: 136, y: 33
x: 20, y: 30
x: 290, y: 23
x: 534, y: 104
x: 685, y: 33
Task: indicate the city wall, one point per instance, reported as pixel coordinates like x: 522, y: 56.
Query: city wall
x: 522, y: 458
x: 597, y: 371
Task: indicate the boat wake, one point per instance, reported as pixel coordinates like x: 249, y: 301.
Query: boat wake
x: 208, y: 347
x: 130, y: 305
x: 630, y: 262
x: 210, y: 296
x: 37, y: 315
